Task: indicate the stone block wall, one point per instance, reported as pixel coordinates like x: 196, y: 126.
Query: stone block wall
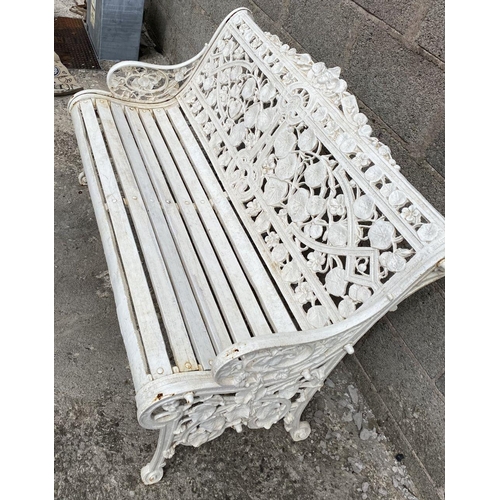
x: 392, y: 57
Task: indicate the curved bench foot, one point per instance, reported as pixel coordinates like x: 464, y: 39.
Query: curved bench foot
x: 82, y: 179
x: 153, y: 471
x: 150, y: 475
x: 300, y: 432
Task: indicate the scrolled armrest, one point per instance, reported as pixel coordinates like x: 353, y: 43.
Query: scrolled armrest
x: 143, y: 82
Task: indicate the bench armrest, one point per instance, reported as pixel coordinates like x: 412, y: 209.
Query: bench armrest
x: 143, y: 82
x: 146, y: 83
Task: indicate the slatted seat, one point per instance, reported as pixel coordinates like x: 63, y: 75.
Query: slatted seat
x: 203, y: 277
x: 252, y: 227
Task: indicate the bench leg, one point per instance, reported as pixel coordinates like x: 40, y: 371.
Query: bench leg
x: 299, y: 430
x: 153, y: 471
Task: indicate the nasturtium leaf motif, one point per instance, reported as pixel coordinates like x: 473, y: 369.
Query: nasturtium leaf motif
x: 335, y: 282
x: 202, y: 413
x: 262, y: 222
x: 315, y: 174
x: 397, y: 198
x: 385, y: 151
x: 202, y: 117
x: 315, y: 205
x: 267, y: 92
x: 286, y: 167
x: 363, y: 207
x: 291, y: 272
x: 359, y: 293
x: 275, y: 191
x: 208, y: 83
x: 374, y: 174
x: 234, y: 108
x: 248, y: 89
x: 225, y: 159
x: 428, y: 232
x: 284, y: 143
x: 228, y: 48
x: 346, y: 143
x: 236, y: 71
x: 349, y: 104
x: 318, y: 316
x: 238, y: 413
x: 365, y: 131
x: 314, y: 231
x: 307, y: 140
x: 278, y: 67
x: 347, y: 307
x: 209, y: 128
x: 393, y: 261
x: 387, y: 189
x: 297, y: 205
x: 237, y: 135
x: 215, y: 140
x: 235, y: 91
x: 320, y: 114
x: 381, y: 234
x: 337, y: 234
x: 404, y: 252
x: 251, y: 115
x: 213, y: 424
x: 360, y: 119
x: 279, y: 253
x: 264, y: 119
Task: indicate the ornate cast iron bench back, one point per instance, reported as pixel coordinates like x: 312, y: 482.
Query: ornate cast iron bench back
x: 242, y: 200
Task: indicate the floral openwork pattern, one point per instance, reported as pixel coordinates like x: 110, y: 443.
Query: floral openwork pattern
x: 301, y: 176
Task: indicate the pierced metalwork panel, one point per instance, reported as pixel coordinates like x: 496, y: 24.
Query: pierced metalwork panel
x: 288, y: 142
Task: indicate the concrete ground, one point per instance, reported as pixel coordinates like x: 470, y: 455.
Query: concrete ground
x: 99, y: 446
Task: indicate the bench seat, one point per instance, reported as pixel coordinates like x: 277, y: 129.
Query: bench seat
x: 253, y: 229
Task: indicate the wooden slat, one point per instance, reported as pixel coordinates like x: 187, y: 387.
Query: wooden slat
x: 143, y: 305
x: 198, y: 334
x: 269, y: 297
x: 124, y: 310
x: 190, y: 282
x: 180, y: 343
x: 221, y: 288
x: 249, y: 304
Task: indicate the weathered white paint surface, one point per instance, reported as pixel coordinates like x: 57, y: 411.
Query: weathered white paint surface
x: 253, y: 228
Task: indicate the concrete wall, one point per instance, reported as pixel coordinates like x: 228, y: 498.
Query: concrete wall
x: 392, y: 56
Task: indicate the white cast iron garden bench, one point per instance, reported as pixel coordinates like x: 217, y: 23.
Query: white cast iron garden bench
x: 253, y: 228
